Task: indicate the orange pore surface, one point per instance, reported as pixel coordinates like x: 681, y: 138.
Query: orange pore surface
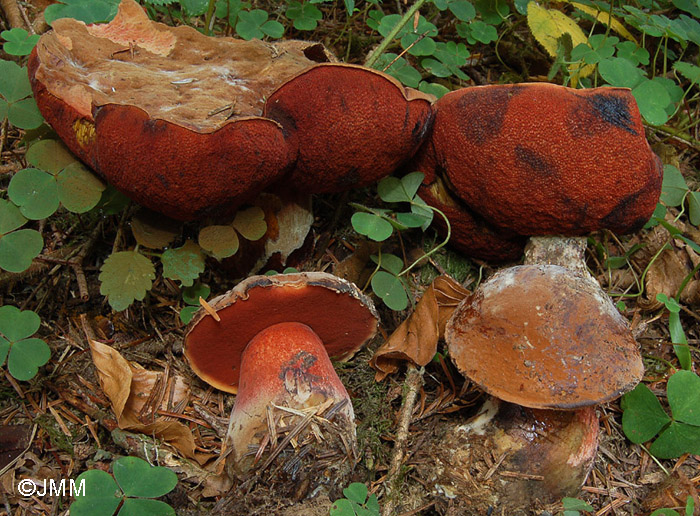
x: 214, y: 349
x: 352, y: 125
x: 545, y: 159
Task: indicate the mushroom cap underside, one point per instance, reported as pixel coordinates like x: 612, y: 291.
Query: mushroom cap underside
x: 342, y: 317
x: 542, y: 336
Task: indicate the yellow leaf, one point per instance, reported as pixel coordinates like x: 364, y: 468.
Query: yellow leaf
x: 548, y: 25
x: 605, y: 18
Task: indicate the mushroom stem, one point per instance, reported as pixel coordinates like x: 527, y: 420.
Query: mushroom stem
x: 286, y: 366
x: 558, y: 250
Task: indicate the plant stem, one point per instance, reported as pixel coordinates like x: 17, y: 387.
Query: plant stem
x: 209, y: 16
x: 374, y: 55
x: 434, y: 249
x: 412, y: 384
x: 681, y: 135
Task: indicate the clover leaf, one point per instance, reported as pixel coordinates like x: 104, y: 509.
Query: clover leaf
x: 18, y: 247
x: 16, y: 102
x: 644, y: 418
x: 18, y: 41
x: 24, y: 354
x: 134, y: 486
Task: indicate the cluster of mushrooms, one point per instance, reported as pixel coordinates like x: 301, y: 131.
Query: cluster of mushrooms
x: 195, y: 127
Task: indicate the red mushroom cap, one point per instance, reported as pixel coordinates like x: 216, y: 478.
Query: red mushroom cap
x: 544, y: 159
x: 169, y: 116
x: 342, y: 317
x: 470, y: 233
x: 352, y: 125
x: 543, y: 336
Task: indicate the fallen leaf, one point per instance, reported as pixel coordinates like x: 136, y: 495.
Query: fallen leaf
x: 132, y: 391
x: 415, y: 340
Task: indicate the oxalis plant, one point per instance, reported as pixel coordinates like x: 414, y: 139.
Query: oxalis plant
x: 388, y: 280
x: 130, y: 490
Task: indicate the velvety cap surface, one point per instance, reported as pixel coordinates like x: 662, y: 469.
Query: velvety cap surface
x: 352, y: 125
x: 545, y: 159
x: 169, y: 116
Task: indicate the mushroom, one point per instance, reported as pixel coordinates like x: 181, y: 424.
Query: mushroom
x: 180, y: 121
x: 542, y: 159
x: 352, y: 125
x: 270, y: 343
x: 538, y: 336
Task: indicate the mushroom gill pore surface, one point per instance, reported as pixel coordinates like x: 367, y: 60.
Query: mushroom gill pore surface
x: 342, y: 317
x: 540, y: 158
x: 167, y: 115
x: 542, y: 336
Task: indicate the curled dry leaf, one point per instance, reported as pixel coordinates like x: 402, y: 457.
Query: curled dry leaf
x: 415, y: 340
x: 667, y: 273
x: 132, y: 391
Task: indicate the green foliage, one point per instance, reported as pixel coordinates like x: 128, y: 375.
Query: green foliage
x: 305, y: 16
x: 126, y: 276
x: 88, y: 11
x: 16, y: 102
x: 18, y: 41
x: 24, y: 354
x: 644, y: 418
x: 378, y: 224
x: 255, y: 24
x: 689, y: 509
x: 574, y: 507
x: 675, y: 328
x: 190, y: 296
x: 183, y: 264
x: 18, y: 247
x: 356, y: 502
x: 131, y: 488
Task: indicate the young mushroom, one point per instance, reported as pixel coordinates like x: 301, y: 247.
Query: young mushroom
x: 543, y: 337
x: 270, y: 343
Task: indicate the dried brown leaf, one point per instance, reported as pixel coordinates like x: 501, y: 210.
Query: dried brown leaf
x: 130, y: 388
x: 415, y: 340
x: 154, y: 230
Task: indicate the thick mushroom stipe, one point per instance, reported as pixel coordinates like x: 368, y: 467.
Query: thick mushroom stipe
x: 352, y: 125
x: 284, y: 365
x: 271, y: 344
x: 342, y: 317
x: 543, y: 336
x: 169, y: 116
x: 544, y: 159
x: 522, y: 459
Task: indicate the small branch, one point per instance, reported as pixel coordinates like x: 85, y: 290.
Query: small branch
x: 412, y: 384
x: 12, y: 14
x: 678, y: 134
x: 377, y: 52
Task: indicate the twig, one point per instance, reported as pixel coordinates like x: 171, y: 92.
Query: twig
x: 412, y: 384
x: 12, y: 14
x: 374, y: 55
